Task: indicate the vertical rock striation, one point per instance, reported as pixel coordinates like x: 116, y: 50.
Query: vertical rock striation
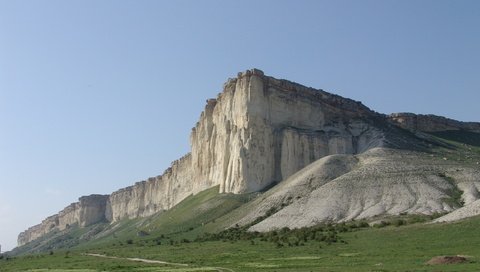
x: 262, y: 130
x: 155, y: 194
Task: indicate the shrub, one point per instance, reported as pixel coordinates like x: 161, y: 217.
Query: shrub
x: 363, y: 224
x: 142, y: 233
x: 285, y: 236
x: 436, y: 215
x: 399, y: 222
x: 381, y: 224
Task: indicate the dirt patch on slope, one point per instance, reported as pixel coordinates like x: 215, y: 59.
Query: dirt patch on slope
x: 447, y: 260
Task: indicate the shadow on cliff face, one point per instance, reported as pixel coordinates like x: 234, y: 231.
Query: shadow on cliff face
x: 399, y: 138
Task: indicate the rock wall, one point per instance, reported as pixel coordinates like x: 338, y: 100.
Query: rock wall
x: 89, y: 210
x: 155, y: 194
x: 262, y: 130
x: 258, y: 131
x: 431, y: 123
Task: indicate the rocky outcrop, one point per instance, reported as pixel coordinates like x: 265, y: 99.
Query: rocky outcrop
x: 431, y: 123
x: 257, y: 132
x: 155, y: 194
x: 262, y: 130
x: 89, y: 210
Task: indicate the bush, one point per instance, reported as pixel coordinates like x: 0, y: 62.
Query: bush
x: 129, y: 241
x: 399, y: 222
x: 363, y: 224
x: 142, y: 233
x: 285, y: 236
x: 381, y: 224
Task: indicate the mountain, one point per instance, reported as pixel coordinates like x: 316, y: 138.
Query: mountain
x: 306, y: 155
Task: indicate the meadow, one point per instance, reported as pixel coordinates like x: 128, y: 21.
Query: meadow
x: 389, y: 248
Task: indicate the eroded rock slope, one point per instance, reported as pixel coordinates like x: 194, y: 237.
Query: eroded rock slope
x: 380, y: 181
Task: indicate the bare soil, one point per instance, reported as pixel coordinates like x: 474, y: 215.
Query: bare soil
x: 447, y: 260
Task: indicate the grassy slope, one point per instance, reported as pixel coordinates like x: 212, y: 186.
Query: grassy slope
x: 190, y: 218
x: 458, y: 146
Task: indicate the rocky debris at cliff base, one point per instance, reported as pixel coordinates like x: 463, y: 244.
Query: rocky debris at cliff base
x: 380, y: 181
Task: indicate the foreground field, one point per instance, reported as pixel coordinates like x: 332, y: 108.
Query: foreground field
x: 403, y: 248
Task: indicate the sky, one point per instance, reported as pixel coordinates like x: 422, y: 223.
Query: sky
x: 97, y: 95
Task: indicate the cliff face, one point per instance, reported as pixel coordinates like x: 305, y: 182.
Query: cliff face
x: 89, y: 210
x: 262, y: 130
x: 155, y: 194
x: 258, y: 131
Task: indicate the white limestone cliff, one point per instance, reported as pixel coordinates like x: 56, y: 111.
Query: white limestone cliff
x: 262, y: 130
x: 257, y: 132
x: 155, y: 194
x: 87, y: 211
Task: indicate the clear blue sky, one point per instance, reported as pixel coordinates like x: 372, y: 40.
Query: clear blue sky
x: 96, y: 95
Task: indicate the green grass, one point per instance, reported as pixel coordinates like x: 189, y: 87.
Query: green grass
x: 460, y: 136
x: 197, y: 211
x: 189, y: 219
x: 75, y: 262
x: 404, y: 248
x: 457, y: 146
